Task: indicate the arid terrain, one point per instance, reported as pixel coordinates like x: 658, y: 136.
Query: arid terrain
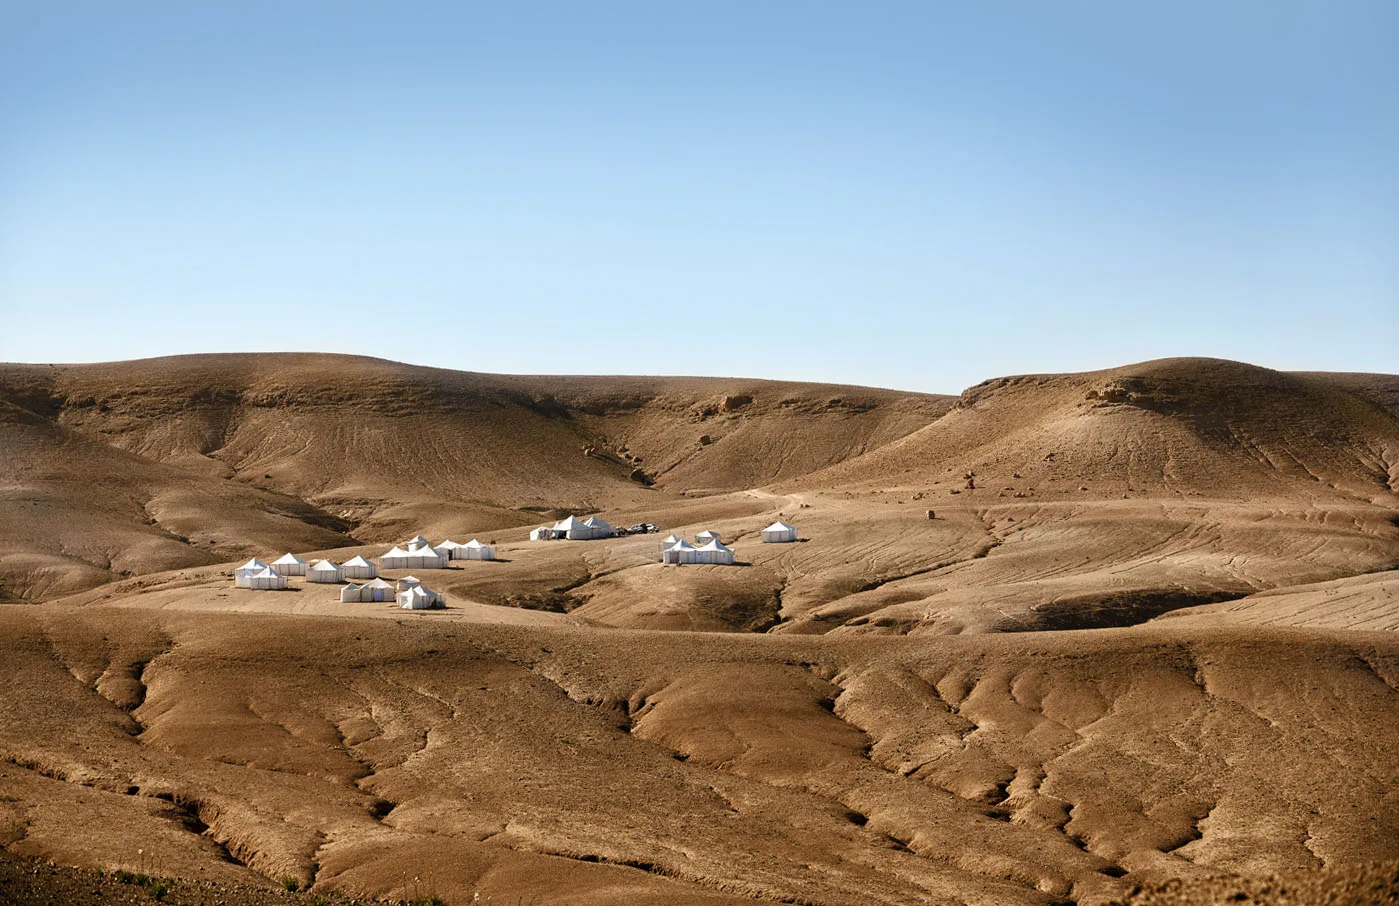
x: 1120, y: 636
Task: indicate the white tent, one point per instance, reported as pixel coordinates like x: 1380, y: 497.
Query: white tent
x: 715, y: 552
x: 351, y: 593
x: 377, y: 590
x: 419, y: 598
x: 267, y: 580
x: 475, y: 550
x: 408, y: 582
x: 680, y: 552
x: 416, y: 542
x: 290, y: 565
x: 325, y: 572
x: 359, y: 568
x: 448, y: 549
x: 599, y: 526
x: 422, y: 558
x: 543, y: 533
x: 779, y: 533
x: 242, y: 575
x: 669, y: 541
x: 573, y: 529
x: 706, y: 536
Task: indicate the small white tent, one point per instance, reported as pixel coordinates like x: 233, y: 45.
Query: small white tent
x: 416, y: 542
x: 669, y: 541
x: 779, y: 533
x: 715, y: 552
x: 408, y: 582
x: 359, y: 568
x: 706, y: 536
x: 351, y: 593
x: 267, y: 580
x: 243, y: 574
x: 419, y: 598
x: 448, y: 549
x: 377, y: 590
x: 325, y: 572
x: 543, y: 533
x: 290, y: 565
x: 475, y: 550
x: 680, y: 552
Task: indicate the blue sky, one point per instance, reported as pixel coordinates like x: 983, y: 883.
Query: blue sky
x: 918, y: 195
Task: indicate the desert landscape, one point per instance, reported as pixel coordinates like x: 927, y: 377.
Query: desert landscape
x: 1104, y: 637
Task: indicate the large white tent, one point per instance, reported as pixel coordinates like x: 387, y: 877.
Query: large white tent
x: 325, y: 572
x: 779, y: 533
x: 601, y: 528
x: 575, y: 529
x: 419, y: 598
x: 475, y: 550
x: 680, y: 552
x: 715, y: 552
x: 290, y: 565
x: 359, y: 568
x: 267, y: 580
x: 422, y: 558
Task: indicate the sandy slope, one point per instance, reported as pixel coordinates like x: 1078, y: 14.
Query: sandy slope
x: 1137, y: 645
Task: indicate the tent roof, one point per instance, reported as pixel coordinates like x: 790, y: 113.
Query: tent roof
x: 683, y: 545
x: 324, y: 564
x: 473, y: 543
x: 398, y: 552
x: 254, y: 563
x: 707, y: 533
x: 669, y: 539
x: 377, y: 583
x: 268, y: 573
x: 288, y: 559
x: 449, y: 543
x: 780, y: 527
x: 357, y: 560
x: 572, y: 522
x: 417, y: 539
x: 597, y: 522
x: 714, y: 545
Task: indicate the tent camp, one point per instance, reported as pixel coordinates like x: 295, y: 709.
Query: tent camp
x: 419, y: 598
x: 267, y: 580
x: 706, y: 536
x: 680, y: 552
x: 423, y: 557
x: 290, y: 565
x: 779, y: 533
x: 475, y: 550
x: 325, y: 572
x: 359, y: 568
x: 543, y: 533
x: 715, y: 552
x: 377, y: 590
x: 351, y: 593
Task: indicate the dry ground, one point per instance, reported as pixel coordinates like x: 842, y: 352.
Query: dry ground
x: 1145, y: 642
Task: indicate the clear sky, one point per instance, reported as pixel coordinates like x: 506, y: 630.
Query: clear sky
x: 911, y: 194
